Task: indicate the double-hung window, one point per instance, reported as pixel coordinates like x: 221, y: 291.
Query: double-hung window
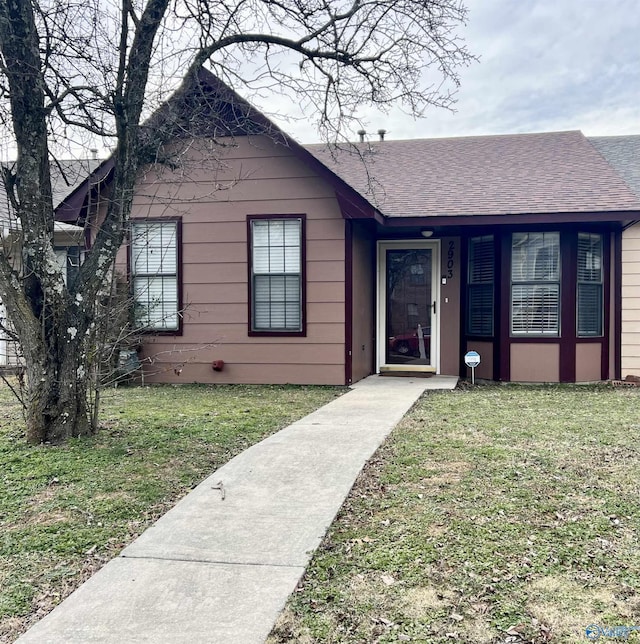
x: 276, y: 248
x: 590, y: 285
x: 535, y: 284
x: 154, y: 273
x: 480, y: 286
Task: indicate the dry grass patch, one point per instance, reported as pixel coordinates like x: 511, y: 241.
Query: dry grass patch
x: 567, y: 606
x: 419, y: 600
x: 444, y: 473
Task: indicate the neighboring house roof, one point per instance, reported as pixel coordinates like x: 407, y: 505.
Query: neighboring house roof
x: 623, y: 154
x: 482, y: 175
x: 66, y: 175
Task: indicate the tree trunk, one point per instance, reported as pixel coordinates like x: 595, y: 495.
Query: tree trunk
x: 56, y: 398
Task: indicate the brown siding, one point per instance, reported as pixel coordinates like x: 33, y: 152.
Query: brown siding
x: 485, y: 369
x: 588, y: 362
x: 630, y: 357
x: 535, y: 362
x: 363, y: 301
x: 254, y: 177
x: 246, y: 374
x: 450, y: 306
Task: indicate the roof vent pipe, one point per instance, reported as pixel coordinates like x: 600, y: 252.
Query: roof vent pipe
x: 361, y: 134
x: 94, y: 153
x: 381, y: 134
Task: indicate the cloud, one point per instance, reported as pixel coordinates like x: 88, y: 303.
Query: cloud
x: 544, y: 65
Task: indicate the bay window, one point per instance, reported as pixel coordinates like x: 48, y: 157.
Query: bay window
x: 69, y: 259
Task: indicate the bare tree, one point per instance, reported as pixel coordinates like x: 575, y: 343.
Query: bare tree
x: 74, y: 69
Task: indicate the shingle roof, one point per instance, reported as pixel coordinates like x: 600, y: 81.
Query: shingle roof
x: 482, y: 175
x: 623, y: 154
x: 66, y: 175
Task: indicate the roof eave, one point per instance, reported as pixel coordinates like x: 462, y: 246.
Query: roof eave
x: 576, y: 217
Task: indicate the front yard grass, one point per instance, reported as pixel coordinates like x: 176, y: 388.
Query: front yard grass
x: 65, y: 511
x: 495, y: 514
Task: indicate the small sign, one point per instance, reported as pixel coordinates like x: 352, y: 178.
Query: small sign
x: 472, y: 359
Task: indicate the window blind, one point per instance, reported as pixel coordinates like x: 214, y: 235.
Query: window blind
x: 154, y: 267
x: 535, y: 283
x: 480, y: 286
x: 590, y: 285
x: 276, y: 259
x: 535, y: 309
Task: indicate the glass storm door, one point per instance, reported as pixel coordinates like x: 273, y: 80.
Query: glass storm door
x: 408, y: 311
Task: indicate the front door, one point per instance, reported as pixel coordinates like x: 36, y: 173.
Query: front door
x: 408, y: 306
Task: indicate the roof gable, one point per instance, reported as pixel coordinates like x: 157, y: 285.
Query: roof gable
x: 204, y: 106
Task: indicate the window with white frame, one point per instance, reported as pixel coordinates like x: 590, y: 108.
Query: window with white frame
x: 276, y: 279
x: 590, y: 285
x: 69, y: 260
x: 154, y: 274
x: 535, y: 284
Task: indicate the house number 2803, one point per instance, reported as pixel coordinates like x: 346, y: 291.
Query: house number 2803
x: 450, y: 257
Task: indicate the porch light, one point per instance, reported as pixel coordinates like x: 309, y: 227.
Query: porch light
x: 427, y: 232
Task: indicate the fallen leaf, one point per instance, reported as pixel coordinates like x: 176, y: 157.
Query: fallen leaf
x: 515, y: 630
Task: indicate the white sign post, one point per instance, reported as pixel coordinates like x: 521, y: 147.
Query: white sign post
x: 472, y: 360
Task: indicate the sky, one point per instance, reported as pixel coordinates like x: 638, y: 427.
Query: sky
x: 545, y: 65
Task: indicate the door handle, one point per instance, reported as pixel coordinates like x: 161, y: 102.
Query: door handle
x: 434, y: 307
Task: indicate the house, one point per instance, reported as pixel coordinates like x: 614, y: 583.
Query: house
x: 69, y: 240
x: 257, y: 260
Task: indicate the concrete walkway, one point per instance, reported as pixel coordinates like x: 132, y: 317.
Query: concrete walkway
x: 219, y: 566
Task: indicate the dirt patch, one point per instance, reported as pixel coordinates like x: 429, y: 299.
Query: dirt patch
x: 286, y: 629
